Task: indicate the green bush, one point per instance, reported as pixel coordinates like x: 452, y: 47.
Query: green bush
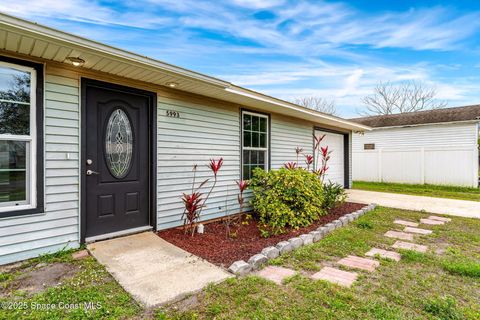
x: 286, y: 198
x: 333, y: 195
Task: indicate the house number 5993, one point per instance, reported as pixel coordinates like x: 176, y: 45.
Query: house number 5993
x: 173, y: 114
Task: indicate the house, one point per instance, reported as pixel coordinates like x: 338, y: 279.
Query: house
x: 433, y: 147
x: 97, y: 142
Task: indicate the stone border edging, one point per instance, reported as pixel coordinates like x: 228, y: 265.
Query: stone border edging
x: 242, y: 268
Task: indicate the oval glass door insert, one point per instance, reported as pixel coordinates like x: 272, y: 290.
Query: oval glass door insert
x: 118, y: 144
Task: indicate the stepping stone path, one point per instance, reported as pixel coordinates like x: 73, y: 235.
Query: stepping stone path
x: 399, y: 235
x: 431, y: 221
x: 410, y: 246
x: 406, y: 223
x: 337, y: 276
x: 440, y: 218
x: 275, y: 274
x: 417, y: 230
x: 359, y: 263
x: 347, y: 278
x: 392, y: 255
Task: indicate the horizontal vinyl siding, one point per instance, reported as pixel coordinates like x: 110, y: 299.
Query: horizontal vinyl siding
x: 29, y: 236
x: 286, y: 135
x: 201, y: 133
x: 436, y: 154
x: 460, y: 135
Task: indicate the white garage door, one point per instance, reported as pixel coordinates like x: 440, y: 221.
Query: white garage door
x: 336, y: 164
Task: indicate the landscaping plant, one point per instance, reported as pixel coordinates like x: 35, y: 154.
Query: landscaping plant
x: 333, y: 195
x: 194, y: 202
x: 230, y: 219
x: 286, y: 198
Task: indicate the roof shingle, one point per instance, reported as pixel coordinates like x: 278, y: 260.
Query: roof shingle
x: 422, y: 117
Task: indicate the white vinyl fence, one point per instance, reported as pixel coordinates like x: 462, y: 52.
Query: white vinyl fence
x: 406, y: 155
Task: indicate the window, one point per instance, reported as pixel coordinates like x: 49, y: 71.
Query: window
x: 18, y: 138
x: 255, y: 142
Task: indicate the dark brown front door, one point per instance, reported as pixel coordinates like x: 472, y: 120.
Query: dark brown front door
x: 117, y: 149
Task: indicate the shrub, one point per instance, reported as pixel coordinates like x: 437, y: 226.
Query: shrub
x: 286, y: 198
x: 333, y: 195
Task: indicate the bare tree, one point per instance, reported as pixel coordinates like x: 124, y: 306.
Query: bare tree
x: 405, y: 97
x: 318, y: 103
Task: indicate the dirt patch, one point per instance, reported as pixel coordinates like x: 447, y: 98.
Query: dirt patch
x: 39, y: 279
x: 216, y: 248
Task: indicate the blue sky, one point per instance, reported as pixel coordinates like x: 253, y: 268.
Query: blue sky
x: 289, y: 49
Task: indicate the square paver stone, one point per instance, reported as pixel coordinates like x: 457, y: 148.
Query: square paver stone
x: 392, y: 255
x: 359, y: 263
x: 440, y: 218
x: 417, y: 230
x: 431, y: 221
x: 337, y: 276
x: 275, y: 274
x: 410, y: 246
x: 399, y: 235
x: 406, y: 223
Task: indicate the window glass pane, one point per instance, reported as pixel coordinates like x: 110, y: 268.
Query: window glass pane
x: 246, y: 173
x: 255, y: 139
x: 13, y: 170
x: 263, y: 124
x: 255, y: 124
x: 247, y: 122
x: 246, y: 156
x: 247, y: 139
x: 254, y: 158
x: 261, y: 157
x: 263, y: 140
x: 14, y: 85
x: 14, y: 118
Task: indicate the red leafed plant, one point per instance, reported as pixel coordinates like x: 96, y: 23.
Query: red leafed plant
x: 215, y: 165
x: 290, y: 165
x: 229, y: 219
x: 194, y: 202
x: 308, y: 160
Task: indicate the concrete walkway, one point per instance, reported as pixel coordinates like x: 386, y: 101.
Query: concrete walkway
x: 461, y: 208
x: 154, y: 271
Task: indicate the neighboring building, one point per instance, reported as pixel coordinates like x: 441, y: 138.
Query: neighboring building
x: 433, y: 147
x: 98, y: 142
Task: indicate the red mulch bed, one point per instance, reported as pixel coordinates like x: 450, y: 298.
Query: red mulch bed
x: 216, y: 248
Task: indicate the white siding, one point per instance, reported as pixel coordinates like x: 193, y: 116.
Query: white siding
x: 286, y: 135
x: 436, y: 154
x: 201, y: 133
x: 336, y: 164
x: 57, y: 228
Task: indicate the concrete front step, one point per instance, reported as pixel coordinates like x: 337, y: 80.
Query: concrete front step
x: 417, y: 230
x: 406, y: 223
x: 410, y: 246
x: 336, y: 276
x: 431, y: 222
x: 359, y: 263
x: 275, y: 274
x: 399, y: 235
x: 392, y: 255
x: 440, y: 218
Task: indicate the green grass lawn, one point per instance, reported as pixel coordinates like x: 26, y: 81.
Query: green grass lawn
x: 441, y: 284
x: 461, y: 193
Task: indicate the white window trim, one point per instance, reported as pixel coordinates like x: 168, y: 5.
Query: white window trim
x: 31, y: 166
x: 267, y: 163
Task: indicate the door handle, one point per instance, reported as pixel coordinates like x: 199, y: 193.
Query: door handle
x: 90, y: 172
